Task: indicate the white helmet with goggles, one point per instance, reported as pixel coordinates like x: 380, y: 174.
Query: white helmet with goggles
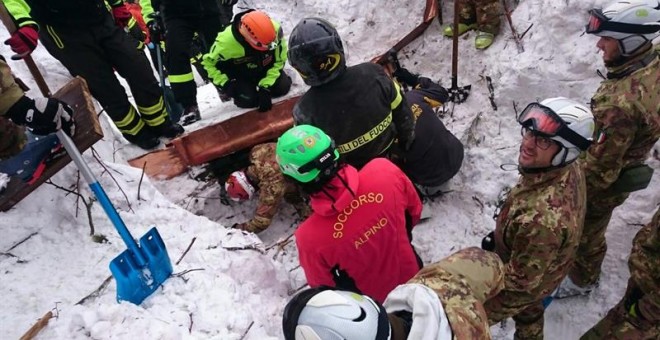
x: 563, y: 120
x: 633, y: 23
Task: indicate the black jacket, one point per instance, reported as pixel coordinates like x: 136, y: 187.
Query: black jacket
x: 67, y: 13
x: 356, y: 110
x: 436, y: 154
x: 181, y: 8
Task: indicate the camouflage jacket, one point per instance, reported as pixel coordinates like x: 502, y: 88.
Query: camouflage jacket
x: 644, y: 263
x: 264, y: 172
x: 12, y: 136
x: 462, y: 281
x: 627, y: 114
x: 537, y: 234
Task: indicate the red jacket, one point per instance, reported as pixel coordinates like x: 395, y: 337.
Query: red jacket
x: 365, y: 234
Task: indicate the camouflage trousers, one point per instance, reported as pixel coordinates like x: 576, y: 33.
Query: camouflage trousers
x: 463, y: 282
x: 528, y: 317
x: 619, y: 324
x: 485, y: 13
x: 592, y: 249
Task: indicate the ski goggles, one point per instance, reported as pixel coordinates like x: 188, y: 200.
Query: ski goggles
x: 545, y: 122
x: 598, y: 23
x: 322, y: 162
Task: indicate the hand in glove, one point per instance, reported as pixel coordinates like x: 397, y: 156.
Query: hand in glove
x: 43, y: 115
x: 23, y: 41
x: 229, y: 88
x: 265, y: 102
x: 122, y: 15
x: 156, y: 31
x: 227, y: 2
x: 488, y: 242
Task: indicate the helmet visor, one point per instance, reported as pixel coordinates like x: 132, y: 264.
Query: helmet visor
x: 599, y: 23
x: 544, y: 121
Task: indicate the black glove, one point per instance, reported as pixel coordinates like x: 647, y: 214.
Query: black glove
x: 227, y: 2
x: 43, y: 115
x: 156, y: 28
x: 488, y: 242
x: 265, y: 102
x: 342, y: 280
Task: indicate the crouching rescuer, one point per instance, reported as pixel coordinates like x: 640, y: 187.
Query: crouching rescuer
x: 358, y: 236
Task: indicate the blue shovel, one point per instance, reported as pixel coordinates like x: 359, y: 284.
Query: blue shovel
x: 138, y: 270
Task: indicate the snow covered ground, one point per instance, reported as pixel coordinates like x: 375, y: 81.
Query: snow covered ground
x: 233, y: 285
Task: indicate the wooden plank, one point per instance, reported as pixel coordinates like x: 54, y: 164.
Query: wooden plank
x: 88, y: 131
x: 217, y: 140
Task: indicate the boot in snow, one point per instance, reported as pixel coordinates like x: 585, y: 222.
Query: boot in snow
x: 483, y: 40
x: 462, y: 28
x: 190, y: 115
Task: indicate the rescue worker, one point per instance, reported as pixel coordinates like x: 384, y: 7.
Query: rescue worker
x: 357, y: 215
x: 637, y: 315
x: 181, y: 20
x: 626, y: 108
x: 246, y: 61
x: 480, y: 15
x: 360, y: 107
x: 436, y: 154
x: 90, y: 43
x: 42, y: 115
x: 538, y: 228
x: 442, y: 301
x: 264, y: 175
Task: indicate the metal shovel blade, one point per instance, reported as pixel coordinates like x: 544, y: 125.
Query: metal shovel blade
x: 134, y: 282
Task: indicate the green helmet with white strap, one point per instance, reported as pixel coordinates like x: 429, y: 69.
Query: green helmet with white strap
x: 304, y: 152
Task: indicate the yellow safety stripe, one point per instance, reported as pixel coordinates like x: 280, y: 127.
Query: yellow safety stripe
x: 367, y: 137
x: 152, y: 109
x: 397, y: 100
x: 130, y: 116
x: 181, y: 78
x: 154, y: 115
x: 56, y: 38
x: 134, y: 131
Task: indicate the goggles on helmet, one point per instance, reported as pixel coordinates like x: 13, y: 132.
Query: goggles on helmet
x: 598, y: 22
x: 545, y: 122
x: 322, y: 162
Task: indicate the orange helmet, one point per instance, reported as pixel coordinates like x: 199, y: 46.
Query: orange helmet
x: 238, y: 186
x: 258, y: 30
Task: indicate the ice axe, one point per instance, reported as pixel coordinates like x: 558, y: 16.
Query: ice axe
x: 456, y: 94
x: 138, y: 270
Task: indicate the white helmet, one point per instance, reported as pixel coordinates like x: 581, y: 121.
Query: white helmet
x: 579, y: 119
x: 633, y: 23
x: 324, y: 313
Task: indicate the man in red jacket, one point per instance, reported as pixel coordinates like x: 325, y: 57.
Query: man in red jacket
x: 358, y: 236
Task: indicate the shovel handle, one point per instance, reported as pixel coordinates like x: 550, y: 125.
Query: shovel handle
x: 95, y: 186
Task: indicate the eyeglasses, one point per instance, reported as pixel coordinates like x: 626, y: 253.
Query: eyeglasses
x: 545, y: 122
x: 543, y: 143
x: 598, y: 22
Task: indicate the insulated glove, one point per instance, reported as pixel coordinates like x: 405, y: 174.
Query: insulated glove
x: 122, y: 15
x: 229, y: 89
x: 23, y: 41
x: 43, y: 115
x: 156, y: 31
x: 342, y: 280
x: 265, y: 102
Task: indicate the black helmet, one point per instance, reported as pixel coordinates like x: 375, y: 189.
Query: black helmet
x: 316, y: 51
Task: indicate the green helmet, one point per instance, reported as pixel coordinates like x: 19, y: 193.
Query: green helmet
x: 304, y: 152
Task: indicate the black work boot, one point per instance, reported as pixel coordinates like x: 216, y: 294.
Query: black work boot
x: 168, y: 129
x: 190, y: 115
x: 145, y: 139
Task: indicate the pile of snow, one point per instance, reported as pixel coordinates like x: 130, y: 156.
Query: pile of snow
x: 233, y: 285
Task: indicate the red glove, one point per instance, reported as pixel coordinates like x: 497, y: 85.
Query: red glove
x: 122, y: 15
x: 23, y: 41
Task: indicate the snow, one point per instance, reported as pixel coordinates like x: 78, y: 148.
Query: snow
x: 232, y: 284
